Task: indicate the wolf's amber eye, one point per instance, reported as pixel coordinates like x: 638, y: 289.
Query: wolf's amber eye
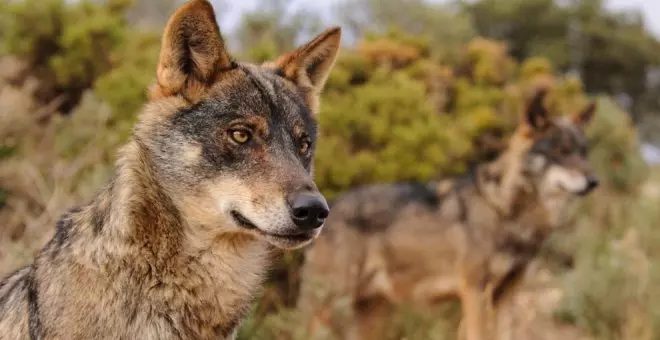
x: 304, y: 147
x: 240, y: 136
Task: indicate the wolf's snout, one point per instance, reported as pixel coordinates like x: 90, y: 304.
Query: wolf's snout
x: 592, y: 182
x: 308, y: 211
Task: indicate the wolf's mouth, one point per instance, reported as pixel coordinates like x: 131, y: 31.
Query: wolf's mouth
x: 290, y: 241
x: 580, y: 193
x: 294, y: 237
x: 584, y: 192
x: 302, y: 237
x: 242, y: 220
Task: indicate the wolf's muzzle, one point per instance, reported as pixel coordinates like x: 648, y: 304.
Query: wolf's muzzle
x: 592, y: 183
x: 308, y: 210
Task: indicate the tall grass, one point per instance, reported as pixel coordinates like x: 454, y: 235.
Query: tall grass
x: 53, y: 163
x: 613, y: 291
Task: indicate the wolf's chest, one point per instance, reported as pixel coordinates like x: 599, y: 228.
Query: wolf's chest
x: 210, y: 301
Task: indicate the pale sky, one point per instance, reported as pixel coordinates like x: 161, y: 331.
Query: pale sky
x: 649, y: 8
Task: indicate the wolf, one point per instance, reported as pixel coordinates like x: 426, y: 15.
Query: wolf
x: 215, y: 180
x: 470, y: 237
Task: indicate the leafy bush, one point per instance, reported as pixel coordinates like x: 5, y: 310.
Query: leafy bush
x: 67, y: 46
x: 615, y: 148
x: 372, y: 124
x: 124, y: 87
x: 612, y: 292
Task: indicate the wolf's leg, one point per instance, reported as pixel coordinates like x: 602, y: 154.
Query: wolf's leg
x: 378, y: 285
x: 505, y: 322
x: 374, y: 281
x: 372, y: 317
x: 476, y: 314
x: 460, y: 334
x: 503, y: 304
x: 435, y: 288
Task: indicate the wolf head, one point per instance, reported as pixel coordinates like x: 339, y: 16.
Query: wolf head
x: 232, y: 143
x: 557, y: 160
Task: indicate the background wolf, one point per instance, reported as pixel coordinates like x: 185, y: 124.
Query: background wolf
x: 471, y: 237
x: 216, y: 175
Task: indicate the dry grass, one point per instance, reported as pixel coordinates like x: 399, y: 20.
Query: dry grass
x: 613, y: 290
x: 49, y: 163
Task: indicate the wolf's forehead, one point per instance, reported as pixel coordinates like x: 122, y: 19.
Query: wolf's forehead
x: 570, y: 132
x: 282, y: 99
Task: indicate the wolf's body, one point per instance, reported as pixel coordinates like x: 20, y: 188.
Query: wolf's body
x: 471, y: 238
x: 215, y: 179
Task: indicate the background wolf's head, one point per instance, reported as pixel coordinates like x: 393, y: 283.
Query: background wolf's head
x: 556, y: 154
x: 233, y: 143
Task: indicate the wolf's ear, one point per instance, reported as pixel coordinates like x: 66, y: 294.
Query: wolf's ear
x: 584, y: 117
x: 536, y: 115
x: 192, y: 53
x: 309, y: 65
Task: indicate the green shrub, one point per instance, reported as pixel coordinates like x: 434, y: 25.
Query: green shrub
x: 612, y: 291
x: 7, y: 151
x: 67, y: 46
x: 615, y: 148
x: 3, y: 197
x: 369, y: 128
x: 125, y: 86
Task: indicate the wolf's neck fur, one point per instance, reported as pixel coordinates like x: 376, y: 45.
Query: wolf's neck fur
x: 504, y: 186
x: 524, y: 222
x: 137, y: 209
x: 134, y: 235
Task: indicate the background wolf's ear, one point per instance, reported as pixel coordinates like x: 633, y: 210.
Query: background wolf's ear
x: 584, y: 117
x: 192, y: 53
x: 536, y: 115
x: 309, y: 65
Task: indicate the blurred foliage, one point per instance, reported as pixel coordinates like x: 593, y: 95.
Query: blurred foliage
x: 153, y: 13
x: 444, y: 26
x: 274, y: 26
x: 614, y: 149
x: 124, y: 87
x: 371, y: 124
x: 613, y: 51
x: 616, y: 247
x: 436, y: 323
x: 68, y: 46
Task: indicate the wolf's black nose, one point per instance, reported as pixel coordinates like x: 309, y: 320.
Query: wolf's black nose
x: 308, y: 210
x: 592, y: 182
